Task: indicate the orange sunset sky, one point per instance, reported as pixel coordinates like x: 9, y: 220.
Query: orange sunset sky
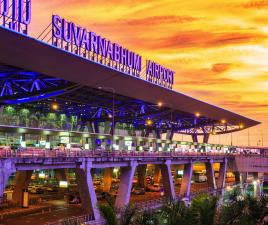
x: 218, y: 48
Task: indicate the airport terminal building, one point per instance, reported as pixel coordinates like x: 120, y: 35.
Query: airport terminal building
x: 70, y: 95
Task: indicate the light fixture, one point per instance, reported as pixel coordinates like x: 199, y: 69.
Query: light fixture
x: 241, y: 126
x: 110, y: 116
x: 160, y: 104
x: 55, y: 106
x: 223, y: 121
x: 149, y: 122
x: 197, y: 114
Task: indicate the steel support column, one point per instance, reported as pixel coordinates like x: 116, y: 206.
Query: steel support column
x: 194, y: 138
x: 205, y: 138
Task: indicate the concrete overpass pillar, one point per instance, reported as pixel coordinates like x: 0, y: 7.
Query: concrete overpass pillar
x: 107, y: 179
x: 185, y: 189
x: 244, y: 177
x: 61, y: 174
x: 265, y: 177
x: 210, y: 175
x: 6, y: 169
x: 157, y: 174
x: 124, y: 190
x: 237, y: 177
x: 21, y: 182
x: 168, y: 180
x: 86, y: 189
x: 255, y: 175
x: 222, y: 174
x: 141, y: 171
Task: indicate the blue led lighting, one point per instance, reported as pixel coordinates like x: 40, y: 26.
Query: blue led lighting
x: 33, y: 98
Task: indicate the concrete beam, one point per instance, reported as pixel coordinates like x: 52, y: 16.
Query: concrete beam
x: 107, y: 179
x: 168, y: 181
x: 86, y: 189
x: 222, y: 175
x: 124, y: 191
x: 185, y: 189
x: 210, y: 175
x: 21, y: 182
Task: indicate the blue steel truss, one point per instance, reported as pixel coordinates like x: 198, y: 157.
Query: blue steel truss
x: 37, y: 92
x: 22, y: 86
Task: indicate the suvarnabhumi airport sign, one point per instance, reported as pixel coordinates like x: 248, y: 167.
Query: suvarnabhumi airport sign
x: 88, y: 44
x: 15, y: 14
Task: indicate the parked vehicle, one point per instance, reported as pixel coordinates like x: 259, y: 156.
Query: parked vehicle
x: 153, y: 188
x: 199, y: 177
x: 75, y: 200
x: 35, y: 190
x: 138, y: 191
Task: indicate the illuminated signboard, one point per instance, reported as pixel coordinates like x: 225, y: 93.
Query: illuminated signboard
x: 15, y: 14
x: 158, y: 74
x: 88, y: 44
x: 94, y: 46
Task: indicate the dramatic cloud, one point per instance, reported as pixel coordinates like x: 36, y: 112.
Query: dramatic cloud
x: 218, y: 48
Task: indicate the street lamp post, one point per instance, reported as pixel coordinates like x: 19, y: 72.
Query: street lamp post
x: 113, y: 111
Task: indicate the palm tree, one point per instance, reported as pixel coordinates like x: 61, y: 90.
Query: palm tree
x: 204, y: 209
x: 245, y: 210
x: 109, y: 214
x: 148, y: 218
x: 176, y: 212
x: 112, y: 217
x: 108, y: 211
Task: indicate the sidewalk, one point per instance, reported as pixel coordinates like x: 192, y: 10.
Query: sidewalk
x: 13, y: 212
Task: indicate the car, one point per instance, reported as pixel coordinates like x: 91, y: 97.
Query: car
x: 178, y: 181
x: 75, y: 200
x: 153, y: 188
x: 138, y: 191
x: 49, y: 188
x: 36, y: 190
x: 113, y: 193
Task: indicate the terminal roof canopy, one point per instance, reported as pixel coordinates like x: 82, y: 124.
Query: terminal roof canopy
x: 29, y: 54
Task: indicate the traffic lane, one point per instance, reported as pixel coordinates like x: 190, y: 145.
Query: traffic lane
x: 61, y: 211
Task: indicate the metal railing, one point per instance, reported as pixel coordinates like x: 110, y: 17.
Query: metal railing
x: 41, y: 153
x: 84, y: 219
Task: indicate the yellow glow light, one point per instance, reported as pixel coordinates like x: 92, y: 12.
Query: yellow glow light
x: 55, y: 106
x: 149, y: 122
x: 197, y: 114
